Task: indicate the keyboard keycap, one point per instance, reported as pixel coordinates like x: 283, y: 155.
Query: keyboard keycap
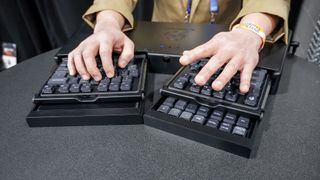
x: 186, y: 115
x: 164, y: 109
x: 231, y: 96
x: 195, y: 88
x: 134, y: 73
x: 170, y: 101
x: 206, y: 90
x: 198, y: 119
x: 47, y: 89
x: 57, y: 81
x: 85, y: 88
x: 217, y: 115
x: 75, y: 88
x: 243, y: 122
x: 204, y: 111
x: 239, y: 131
x: 175, y: 112
x: 125, y: 87
x: 191, y: 108
x: 219, y: 94
x: 180, y: 104
x: 230, y: 118
x: 251, y: 100
x: 213, y: 123
x: 102, y: 87
x: 114, y: 86
x: 64, y: 88
x: 180, y: 84
x: 225, y: 127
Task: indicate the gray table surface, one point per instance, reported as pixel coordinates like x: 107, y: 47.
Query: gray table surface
x: 289, y: 144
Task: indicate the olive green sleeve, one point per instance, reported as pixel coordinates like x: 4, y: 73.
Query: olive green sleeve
x: 278, y: 8
x: 124, y: 7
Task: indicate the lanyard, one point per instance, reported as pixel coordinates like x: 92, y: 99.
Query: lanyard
x: 213, y: 10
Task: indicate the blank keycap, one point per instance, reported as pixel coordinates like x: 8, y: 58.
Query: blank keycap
x: 186, y: 115
x: 170, y: 101
x: 191, y: 108
x: 175, y: 112
x: 180, y: 104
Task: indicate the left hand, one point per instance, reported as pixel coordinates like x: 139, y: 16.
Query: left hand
x: 238, y: 50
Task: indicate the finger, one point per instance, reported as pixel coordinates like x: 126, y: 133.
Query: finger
x: 105, y: 52
x: 127, y: 53
x: 89, y: 59
x: 228, y: 72
x: 71, y: 67
x: 78, y: 61
x: 210, y: 68
x: 202, y: 51
x: 245, y: 77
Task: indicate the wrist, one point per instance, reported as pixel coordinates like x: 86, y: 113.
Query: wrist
x: 108, y: 18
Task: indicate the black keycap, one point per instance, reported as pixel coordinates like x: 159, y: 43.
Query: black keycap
x: 192, y: 81
x: 186, y: 115
x: 180, y: 84
x: 106, y: 80
x: 75, y: 88
x: 217, y: 115
x: 123, y: 72
x: 219, y: 94
x: 116, y: 79
x: 204, y: 111
x: 82, y: 81
x: 62, y: 68
x: 114, y: 86
x: 57, y: 81
x: 230, y: 118
x: 195, y: 88
x: 127, y: 79
x: 180, y: 104
x: 132, y: 67
x: 85, y: 88
x: 243, y: 122
x: 198, y: 119
x: 185, y: 77
x: 60, y: 74
x: 134, y: 73
x: 94, y: 82
x: 195, y: 67
x: 251, y: 100
x: 231, y: 96
x: 213, y: 123
x: 73, y: 80
x: 225, y: 127
x: 47, y: 89
x: 125, y: 87
x: 239, y: 131
x: 170, y: 101
x: 64, y: 88
x: 102, y: 87
x: 191, y: 108
x: 175, y: 112
x: 164, y: 109
x: 206, y: 90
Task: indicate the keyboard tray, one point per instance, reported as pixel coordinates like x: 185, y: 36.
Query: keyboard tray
x: 205, y: 130
x: 127, y: 85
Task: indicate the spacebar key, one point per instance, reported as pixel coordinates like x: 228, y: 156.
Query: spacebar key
x: 56, y: 81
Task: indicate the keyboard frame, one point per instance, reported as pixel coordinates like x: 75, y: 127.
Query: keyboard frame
x: 169, y: 90
x: 242, y: 146
x: 108, y: 96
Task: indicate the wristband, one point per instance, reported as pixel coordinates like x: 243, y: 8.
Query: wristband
x: 255, y: 28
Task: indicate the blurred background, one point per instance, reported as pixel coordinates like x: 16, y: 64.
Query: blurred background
x: 36, y: 26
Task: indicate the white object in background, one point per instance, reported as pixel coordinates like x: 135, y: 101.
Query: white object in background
x: 9, y: 55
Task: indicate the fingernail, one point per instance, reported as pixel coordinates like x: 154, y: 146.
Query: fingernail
x: 96, y: 78
x: 185, y: 52
x: 110, y: 75
x: 245, y: 87
x: 85, y: 77
x: 217, y: 84
x: 199, y: 79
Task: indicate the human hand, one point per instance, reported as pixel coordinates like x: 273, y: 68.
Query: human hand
x: 237, y: 50
x: 107, y: 37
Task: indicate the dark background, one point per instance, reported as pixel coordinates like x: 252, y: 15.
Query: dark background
x: 37, y: 26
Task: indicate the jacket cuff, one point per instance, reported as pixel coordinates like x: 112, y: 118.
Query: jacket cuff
x: 280, y: 9
x: 117, y: 5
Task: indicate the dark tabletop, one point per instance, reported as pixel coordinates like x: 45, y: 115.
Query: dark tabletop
x: 288, y: 148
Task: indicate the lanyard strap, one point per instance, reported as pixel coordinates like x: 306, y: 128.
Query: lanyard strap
x: 213, y: 10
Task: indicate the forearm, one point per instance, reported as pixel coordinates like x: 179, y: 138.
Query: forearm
x: 108, y: 18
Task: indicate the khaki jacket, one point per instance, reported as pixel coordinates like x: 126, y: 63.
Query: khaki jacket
x: 230, y: 12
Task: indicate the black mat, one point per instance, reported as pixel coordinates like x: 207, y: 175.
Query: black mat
x: 289, y: 144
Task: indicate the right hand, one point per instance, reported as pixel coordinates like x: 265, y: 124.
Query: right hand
x: 107, y: 37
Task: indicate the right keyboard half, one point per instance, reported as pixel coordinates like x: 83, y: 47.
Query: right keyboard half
x: 182, y: 85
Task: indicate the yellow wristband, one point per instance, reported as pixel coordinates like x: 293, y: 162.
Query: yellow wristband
x: 255, y: 28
